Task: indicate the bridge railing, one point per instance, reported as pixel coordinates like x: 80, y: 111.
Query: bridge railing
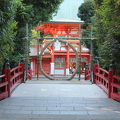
x: 30, y: 74
x: 87, y: 73
x: 16, y: 77
x: 3, y: 87
x: 107, y: 81
x: 10, y: 80
x: 101, y: 78
x: 115, y: 88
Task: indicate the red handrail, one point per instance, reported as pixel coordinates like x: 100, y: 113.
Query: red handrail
x: 108, y: 82
x: 10, y: 80
x: 115, y: 90
x: 30, y: 74
x: 87, y: 74
x: 101, y: 79
x: 16, y: 77
x: 3, y: 87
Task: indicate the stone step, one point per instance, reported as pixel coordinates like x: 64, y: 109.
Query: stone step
x: 57, y: 117
x: 63, y: 108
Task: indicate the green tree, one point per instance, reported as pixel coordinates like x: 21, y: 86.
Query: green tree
x: 32, y: 12
x: 86, y: 13
x: 7, y: 28
x: 108, y: 31
x: 42, y: 10
x: 14, y: 14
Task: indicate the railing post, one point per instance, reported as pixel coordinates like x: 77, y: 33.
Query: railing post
x: 95, y: 69
x: 22, y: 64
x: 29, y: 72
x: 110, y: 76
x: 87, y: 72
x: 7, y: 75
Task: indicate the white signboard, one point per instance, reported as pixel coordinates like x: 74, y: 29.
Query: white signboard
x: 59, y: 72
x: 57, y: 45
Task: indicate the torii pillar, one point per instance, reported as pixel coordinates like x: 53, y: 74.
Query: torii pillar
x: 68, y: 61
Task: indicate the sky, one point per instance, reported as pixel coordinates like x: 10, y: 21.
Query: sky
x: 68, y: 10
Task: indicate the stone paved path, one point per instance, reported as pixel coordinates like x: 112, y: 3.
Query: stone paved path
x: 59, y: 80
x: 59, y: 102
x: 59, y: 90
x: 62, y: 108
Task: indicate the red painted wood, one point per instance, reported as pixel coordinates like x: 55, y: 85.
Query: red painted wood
x: 11, y: 79
x: 68, y: 58
x: 115, y: 94
x: 34, y: 67
x: 95, y: 71
x: 52, y: 54
x: 16, y: 77
x: 107, y: 81
x: 7, y: 75
x: 87, y: 74
x: 30, y: 74
x: 46, y: 65
x: 3, y: 91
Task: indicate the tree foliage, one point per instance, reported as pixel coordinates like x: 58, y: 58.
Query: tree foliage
x: 42, y: 10
x: 14, y: 14
x: 108, y: 31
x: 32, y: 12
x: 7, y: 28
x: 86, y: 13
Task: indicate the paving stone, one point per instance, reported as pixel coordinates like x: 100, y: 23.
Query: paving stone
x: 74, y: 112
x: 76, y: 108
x: 59, y: 102
x: 16, y: 112
x: 46, y: 112
x: 74, y: 91
x: 34, y: 108
x: 103, y: 113
x: 59, y: 117
x: 60, y: 108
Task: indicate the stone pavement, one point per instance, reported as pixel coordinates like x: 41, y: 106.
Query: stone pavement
x: 59, y: 90
x: 32, y: 101
x: 62, y: 108
x: 59, y: 80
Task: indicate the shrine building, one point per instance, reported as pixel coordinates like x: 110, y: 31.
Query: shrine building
x: 59, y: 58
